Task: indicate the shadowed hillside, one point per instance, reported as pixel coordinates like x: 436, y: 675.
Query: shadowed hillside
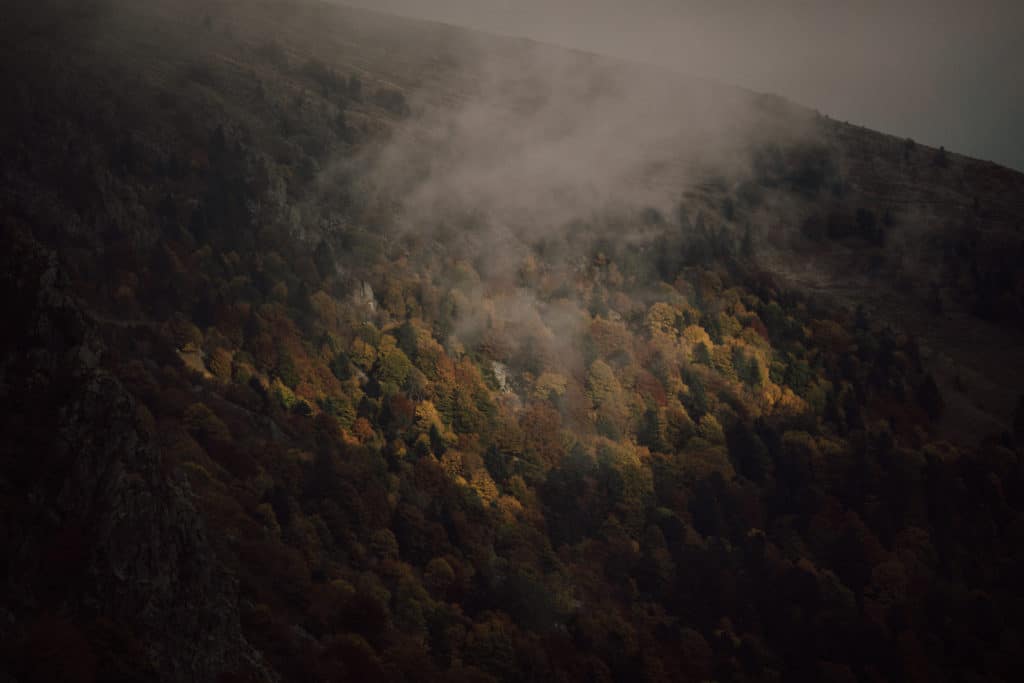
x: 347, y: 347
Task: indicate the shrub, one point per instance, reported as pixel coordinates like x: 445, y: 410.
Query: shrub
x: 392, y: 100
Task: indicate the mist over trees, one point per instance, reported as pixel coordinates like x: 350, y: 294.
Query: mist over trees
x: 449, y: 357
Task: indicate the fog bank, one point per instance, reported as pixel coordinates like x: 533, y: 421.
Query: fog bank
x: 945, y: 72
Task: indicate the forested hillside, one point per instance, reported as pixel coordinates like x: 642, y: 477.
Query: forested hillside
x: 344, y: 347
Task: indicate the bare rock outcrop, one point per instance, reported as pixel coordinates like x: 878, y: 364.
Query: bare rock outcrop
x: 108, y: 564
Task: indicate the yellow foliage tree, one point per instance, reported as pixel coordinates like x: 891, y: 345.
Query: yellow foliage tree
x: 661, y: 319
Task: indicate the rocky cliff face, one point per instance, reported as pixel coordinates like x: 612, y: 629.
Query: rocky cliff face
x: 108, y: 570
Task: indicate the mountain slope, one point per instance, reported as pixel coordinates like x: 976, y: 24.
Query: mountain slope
x: 431, y: 355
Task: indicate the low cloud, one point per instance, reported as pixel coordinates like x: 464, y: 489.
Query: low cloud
x: 540, y: 137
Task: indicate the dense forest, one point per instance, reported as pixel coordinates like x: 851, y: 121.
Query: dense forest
x: 255, y: 428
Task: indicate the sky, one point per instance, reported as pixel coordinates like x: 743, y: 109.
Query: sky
x: 943, y: 72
